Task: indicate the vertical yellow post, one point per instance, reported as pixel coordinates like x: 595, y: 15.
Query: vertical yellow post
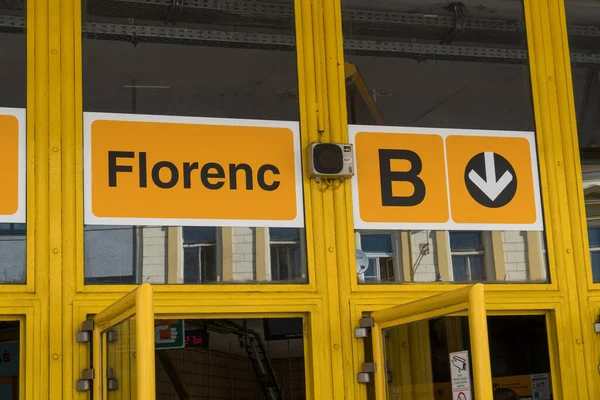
x: 144, y: 331
x: 480, y: 348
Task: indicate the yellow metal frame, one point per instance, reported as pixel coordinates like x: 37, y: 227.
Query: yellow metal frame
x: 53, y: 302
x: 470, y: 299
x: 138, y: 303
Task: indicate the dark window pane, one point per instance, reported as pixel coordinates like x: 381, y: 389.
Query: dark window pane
x: 284, y: 234
x: 13, y: 81
x: 191, y: 265
x: 376, y: 243
x: 199, y: 235
x: 209, y: 264
x: 476, y: 267
x: 237, y: 61
x: 596, y: 266
x: 111, y: 253
x: 459, y: 268
x: 594, y: 236
x: 465, y: 241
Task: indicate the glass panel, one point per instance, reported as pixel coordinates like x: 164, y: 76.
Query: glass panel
x: 463, y: 66
x: 584, y: 42
x: 120, y: 372
x: 10, y: 359
x: 423, y: 357
x: 13, y: 80
x: 231, y: 359
x: 209, y: 61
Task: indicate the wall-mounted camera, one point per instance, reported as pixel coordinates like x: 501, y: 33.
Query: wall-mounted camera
x: 330, y: 160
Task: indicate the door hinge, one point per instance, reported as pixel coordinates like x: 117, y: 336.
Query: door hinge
x: 85, y: 383
x: 367, y: 371
x: 84, y: 335
x: 112, y: 383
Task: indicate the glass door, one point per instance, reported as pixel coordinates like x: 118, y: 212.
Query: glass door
x: 423, y: 349
x: 123, y: 348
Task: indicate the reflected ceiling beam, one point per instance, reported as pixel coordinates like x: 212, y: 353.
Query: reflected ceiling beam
x: 278, y: 10
x: 418, y: 51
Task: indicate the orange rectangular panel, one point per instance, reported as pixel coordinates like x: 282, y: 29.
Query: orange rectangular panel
x: 192, y: 171
x: 12, y: 165
x: 400, y: 178
x: 492, y: 180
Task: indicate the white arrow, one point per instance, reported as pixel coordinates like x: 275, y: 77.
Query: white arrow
x: 490, y: 186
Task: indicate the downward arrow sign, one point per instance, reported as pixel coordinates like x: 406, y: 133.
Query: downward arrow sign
x: 491, y: 187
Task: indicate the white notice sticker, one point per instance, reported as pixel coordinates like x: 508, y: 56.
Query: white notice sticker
x: 540, y: 387
x: 461, y: 376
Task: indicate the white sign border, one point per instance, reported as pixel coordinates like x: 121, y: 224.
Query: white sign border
x: 91, y: 219
x: 20, y: 216
x: 538, y: 225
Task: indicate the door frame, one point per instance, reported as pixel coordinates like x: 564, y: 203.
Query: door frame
x: 138, y: 303
x: 470, y: 299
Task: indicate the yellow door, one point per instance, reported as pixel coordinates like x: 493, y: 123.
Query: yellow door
x: 405, y: 365
x: 123, y: 348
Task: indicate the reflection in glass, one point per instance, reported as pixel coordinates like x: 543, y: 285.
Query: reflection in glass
x: 584, y: 44
x: 120, y: 372
x: 233, y: 359
x: 427, y: 64
x: 13, y: 80
x: 457, y: 256
x: 419, y: 355
x: 237, y: 61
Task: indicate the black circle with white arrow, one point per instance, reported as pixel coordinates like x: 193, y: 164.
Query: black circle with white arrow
x: 491, y: 180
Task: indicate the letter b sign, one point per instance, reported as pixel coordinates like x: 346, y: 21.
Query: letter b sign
x: 401, y: 177
x: 388, y: 176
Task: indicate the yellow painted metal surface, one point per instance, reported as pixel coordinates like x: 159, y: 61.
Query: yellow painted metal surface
x: 139, y: 304
x: 54, y: 301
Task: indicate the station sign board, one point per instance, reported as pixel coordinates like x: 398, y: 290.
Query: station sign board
x: 185, y: 171
x: 12, y: 164
x: 445, y: 179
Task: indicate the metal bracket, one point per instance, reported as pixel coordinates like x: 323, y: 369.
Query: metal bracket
x: 367, y: 370
x: 361, y: 333
x: 112, y: 336
x: 597, y: 327
x: 363, y: 377
x: 85, y: 383
x: 369, y: 367
x: 85, y: 334
x: 366, y: 322
x: 111, y: 382
x: 460, y: 21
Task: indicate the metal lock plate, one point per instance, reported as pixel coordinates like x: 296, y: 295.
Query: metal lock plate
x: 597, y: 327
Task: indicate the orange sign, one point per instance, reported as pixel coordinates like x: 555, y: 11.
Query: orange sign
x: 192, y: 171
x: 12, y: 165
x: 417, y: 178
x: 398, y: 174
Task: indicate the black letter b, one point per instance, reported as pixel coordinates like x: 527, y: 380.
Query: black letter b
x: 388, y: 176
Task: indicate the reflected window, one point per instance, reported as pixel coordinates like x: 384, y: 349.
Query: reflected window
x: 200, y: 60
x: 435, y: 65
x: 380, y: 252
x: 200, y: 255
x: 467, y: 252
x: 286, y: 250
x: 13, y: 80
x: 594, y: 237
x: 584, y: 44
